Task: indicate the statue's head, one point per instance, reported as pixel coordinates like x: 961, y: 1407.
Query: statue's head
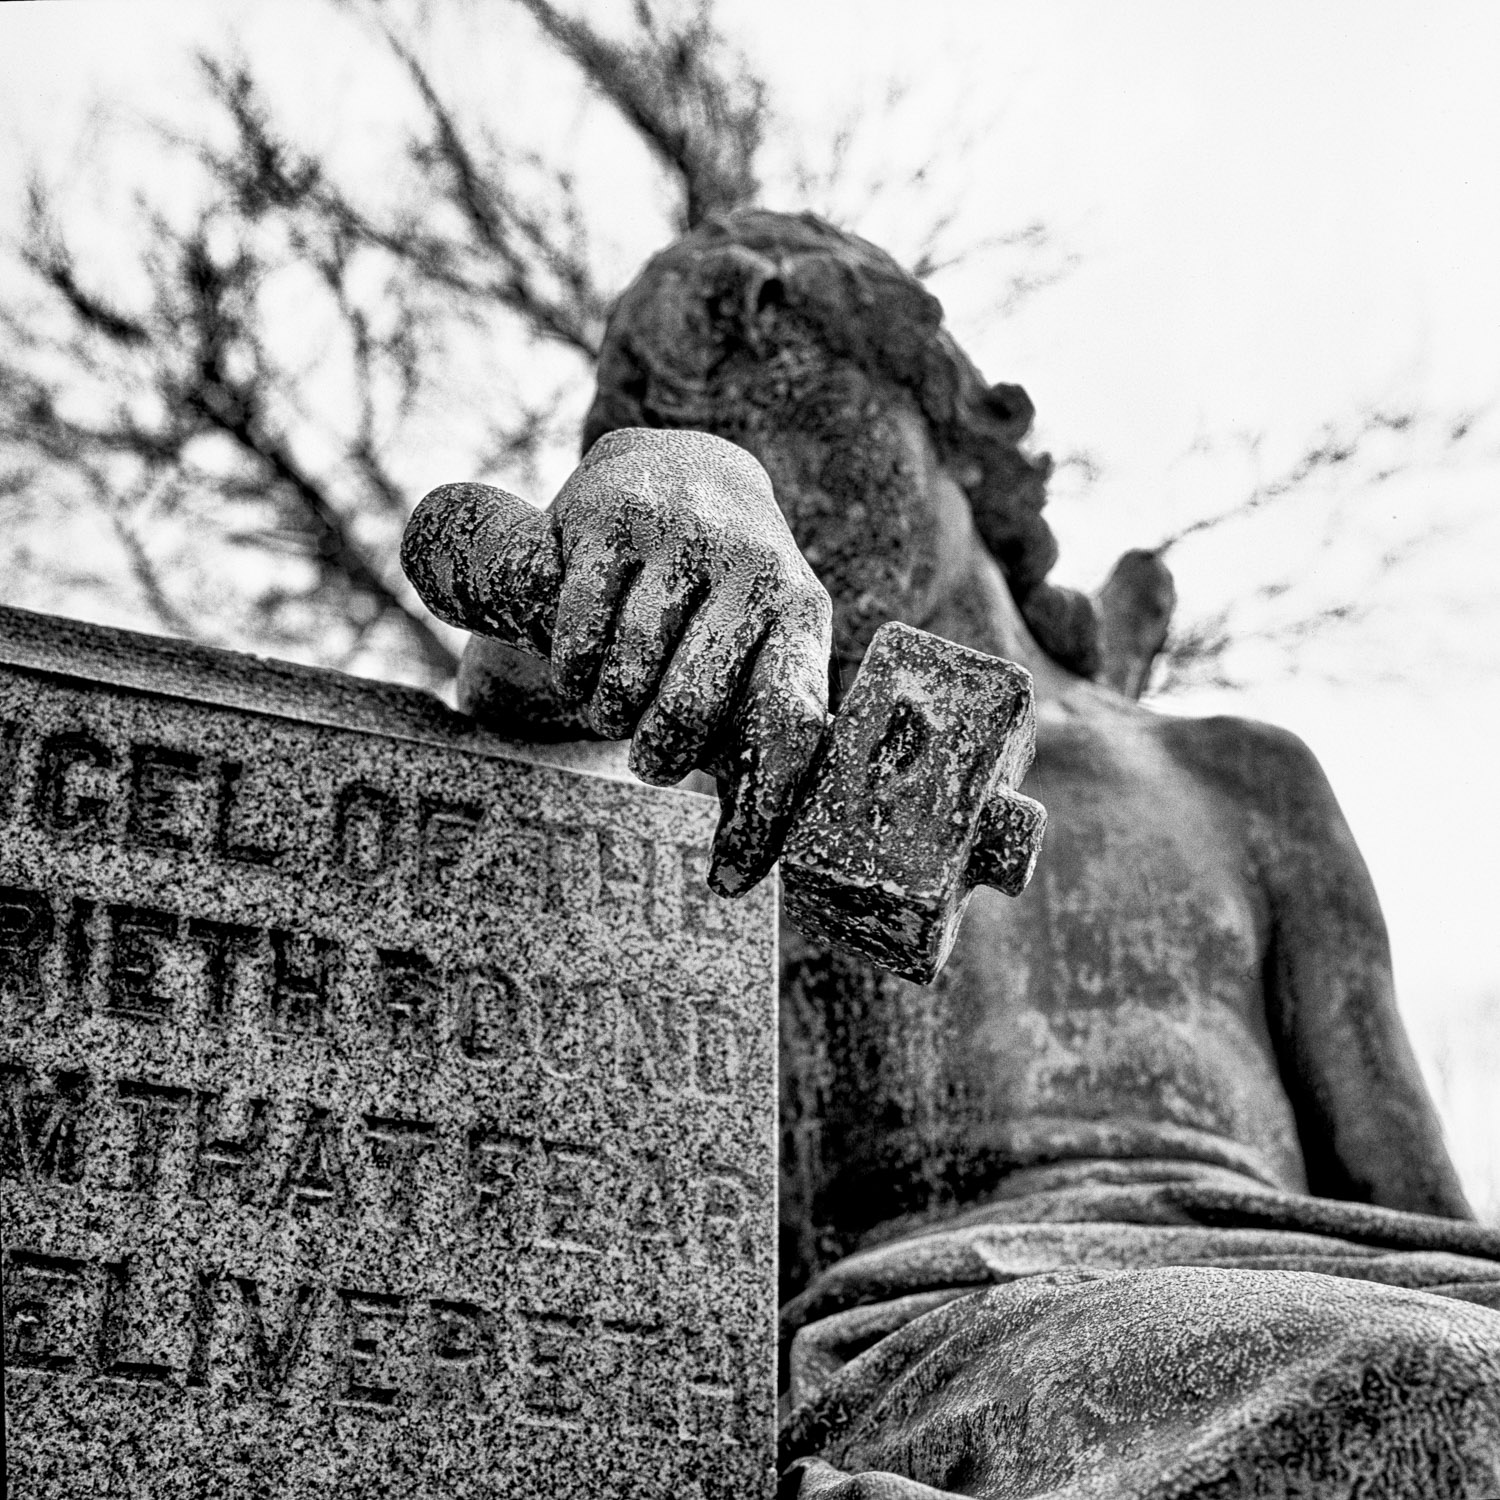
x: 820, y: 355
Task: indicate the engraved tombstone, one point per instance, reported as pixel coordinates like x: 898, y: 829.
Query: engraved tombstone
x: 384, y: 1109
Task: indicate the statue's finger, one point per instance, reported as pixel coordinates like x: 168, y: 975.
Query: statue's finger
x: 699, y: 688
x: 777, y: 731
x: 648, y: 628
x: 593, y: 586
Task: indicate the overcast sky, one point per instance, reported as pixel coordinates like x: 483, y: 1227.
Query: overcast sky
x: 1270, y: 216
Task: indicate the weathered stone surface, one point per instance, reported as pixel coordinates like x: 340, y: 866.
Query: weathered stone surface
x: 384, y: 1112
x: 1186, y: 1022
x: 670, y: 597
x: 1134, y: 609
x: 912, y: 802
x: 890, y: 816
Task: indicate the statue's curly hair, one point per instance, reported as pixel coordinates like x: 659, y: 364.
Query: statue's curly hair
x: 754, y: 290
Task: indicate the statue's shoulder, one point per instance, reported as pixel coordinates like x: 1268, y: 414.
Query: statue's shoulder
x: 1266, y: 770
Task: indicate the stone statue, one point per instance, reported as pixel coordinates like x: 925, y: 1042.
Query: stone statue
x: 1144, y: 1196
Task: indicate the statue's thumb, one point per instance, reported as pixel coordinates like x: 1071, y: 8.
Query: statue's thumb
x: 486, y: 561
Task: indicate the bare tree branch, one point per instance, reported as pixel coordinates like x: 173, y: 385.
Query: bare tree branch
x: 1380, y: 444
x: 190, y: 392
x: 45, y: 253
x: 211, y: 376
x: 701, y: 112
x: 1335, y: 448
x: 148, y: 578
x: 509, y: 244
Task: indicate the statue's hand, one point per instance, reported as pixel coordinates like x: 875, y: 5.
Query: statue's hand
x: 675, y: 607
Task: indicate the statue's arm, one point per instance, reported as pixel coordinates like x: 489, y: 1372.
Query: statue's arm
x: 1368, y: 1126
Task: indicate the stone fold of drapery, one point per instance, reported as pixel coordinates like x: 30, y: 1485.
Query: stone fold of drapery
x: 1173, y: 1332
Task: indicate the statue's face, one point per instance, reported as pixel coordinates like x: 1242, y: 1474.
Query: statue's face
x: 871, y: 507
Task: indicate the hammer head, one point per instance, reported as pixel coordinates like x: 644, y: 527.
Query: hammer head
x: 909, y: 802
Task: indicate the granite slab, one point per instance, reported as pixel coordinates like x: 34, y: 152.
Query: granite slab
x: 385, y: 1109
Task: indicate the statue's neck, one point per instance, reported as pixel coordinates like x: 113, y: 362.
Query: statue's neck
x: 965, y: 598
x: 973, y: 606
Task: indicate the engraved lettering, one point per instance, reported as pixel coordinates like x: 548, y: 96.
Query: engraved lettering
x: 652, y: 1045
x: 649, y: 1207
x: 654, y: 1400
x: 573, y: 873
x: 574, y: 1198
x: 156, y: 1108
x: 136, y: 933
x: 364, y: 831
x: 448, y: 830
x: 168, y: 797
x: 10, y: 760
x: 625, y: 866
x: 409, y: 995
x: 458, y: 1333
x: 369, y: 1321
x: 72, y: 785
x: 301, y: 970
x: 201, y: 1316
x: 504, y: 1168
x: 397, y: 1146
x: 129, y: 1476
x: 270, y: 1359
x: 488, y: 1006
x: 45, y: 1311
x: 641, y: 1370
x: 315, y: 1176
x: 229, y: 842
x: 25, y: 930
x: 718, y: 1386
x: 569, y: 1033
x: 122, y: 1321
x: 713, y: 1411
x: 552, y: 1392
x: 718, y: 1051
x: 221, y: 943
x: 519, y: 878
x: 78, y: 946
x: 39, y: 1135
x: 703, y: 913
x: 221, y: 1154
x: 726, y: 1229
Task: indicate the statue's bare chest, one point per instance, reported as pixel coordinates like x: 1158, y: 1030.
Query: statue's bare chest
x: 1116, y: 1008
x: 1145, y: 896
